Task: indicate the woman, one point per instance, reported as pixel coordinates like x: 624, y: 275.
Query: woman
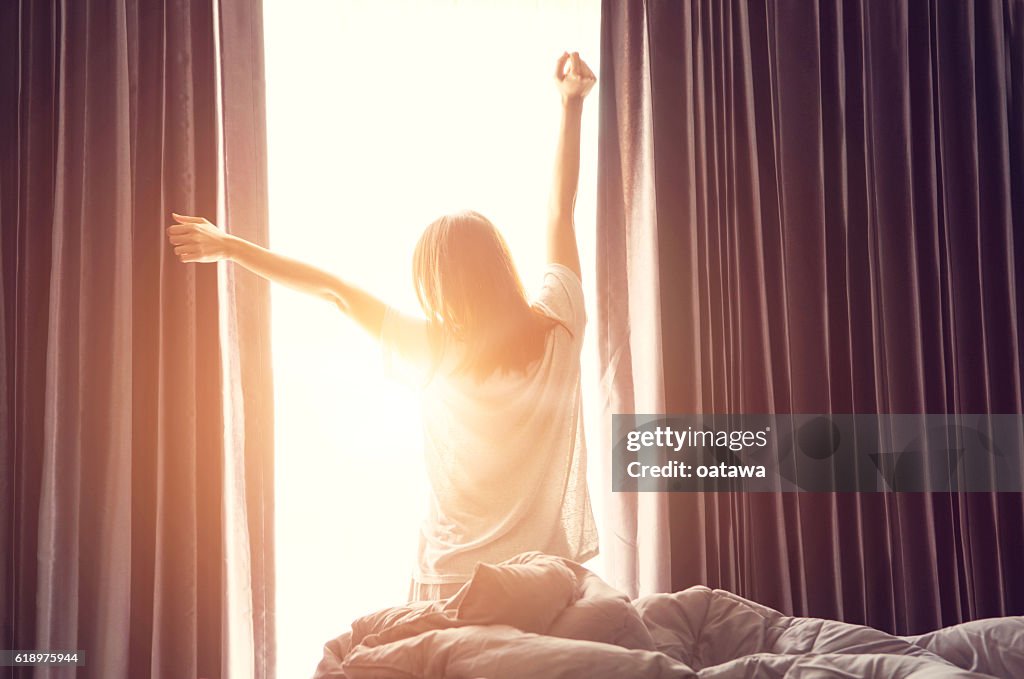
x: 500, y: 377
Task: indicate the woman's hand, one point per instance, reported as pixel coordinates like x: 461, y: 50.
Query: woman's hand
x: 195, y: 239
x: 573, y: 77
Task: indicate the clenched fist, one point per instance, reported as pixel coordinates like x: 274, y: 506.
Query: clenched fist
x: 573, y: 77
x: 195, y: 239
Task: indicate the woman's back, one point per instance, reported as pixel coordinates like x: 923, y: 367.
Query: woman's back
x: 506, y: 455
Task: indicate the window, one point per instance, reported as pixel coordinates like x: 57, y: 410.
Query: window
x: 381, y: 117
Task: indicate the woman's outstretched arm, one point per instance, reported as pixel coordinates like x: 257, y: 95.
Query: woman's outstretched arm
x: 575, y: 80
x: 197, y: 240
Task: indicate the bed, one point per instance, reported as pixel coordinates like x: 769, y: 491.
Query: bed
x: 544, y: 617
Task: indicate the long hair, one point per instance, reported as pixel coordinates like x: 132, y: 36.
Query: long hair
x: 470, y: 291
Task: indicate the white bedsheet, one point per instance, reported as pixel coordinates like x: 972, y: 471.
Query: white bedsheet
x: 505, y: 623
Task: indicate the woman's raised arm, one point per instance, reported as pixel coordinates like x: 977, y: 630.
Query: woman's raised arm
x: 195, y: 239
x: 575, y: 80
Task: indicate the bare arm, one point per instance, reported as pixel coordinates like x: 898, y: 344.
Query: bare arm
x: 197, y: 240
x: 575, y: 80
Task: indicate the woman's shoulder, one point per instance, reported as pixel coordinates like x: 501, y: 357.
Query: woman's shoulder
x: 561, y: 298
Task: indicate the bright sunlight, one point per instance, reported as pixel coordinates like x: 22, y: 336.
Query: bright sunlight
x: 381, y: 117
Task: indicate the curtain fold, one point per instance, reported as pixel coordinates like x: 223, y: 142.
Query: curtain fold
x: 245, y: 330
x: 835, y: 196
x: 630, y: 353
x: 137, y: 484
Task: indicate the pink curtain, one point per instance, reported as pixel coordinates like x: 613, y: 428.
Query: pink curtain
x: 816, y: 207
x: 636, y: 545
x: 137, y: 458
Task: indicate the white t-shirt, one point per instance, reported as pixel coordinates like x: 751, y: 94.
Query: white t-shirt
x: 506, y: 456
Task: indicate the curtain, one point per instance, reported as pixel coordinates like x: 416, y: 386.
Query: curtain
x: 817, y: 208
x: 137, y: 457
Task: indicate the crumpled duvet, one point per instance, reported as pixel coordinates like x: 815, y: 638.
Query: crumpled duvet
x: 544, y: 617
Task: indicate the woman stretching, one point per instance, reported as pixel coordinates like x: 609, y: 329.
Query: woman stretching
x: 499, y: 375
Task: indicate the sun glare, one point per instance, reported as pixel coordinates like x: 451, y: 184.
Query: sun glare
x: 381, y: 117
